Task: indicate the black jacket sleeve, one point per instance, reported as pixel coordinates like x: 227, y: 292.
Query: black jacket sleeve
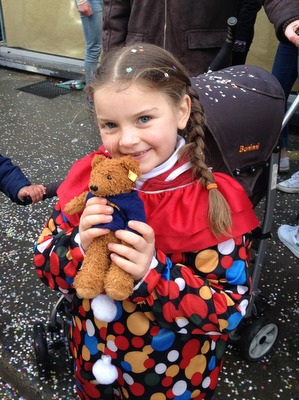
x: 281, y: 12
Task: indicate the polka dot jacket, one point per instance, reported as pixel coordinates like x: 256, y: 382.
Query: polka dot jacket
x: 168, y: 339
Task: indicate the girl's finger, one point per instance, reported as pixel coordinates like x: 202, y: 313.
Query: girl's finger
x: 143, y: 229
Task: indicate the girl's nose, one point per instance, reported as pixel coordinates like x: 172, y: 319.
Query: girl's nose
x: 129, y: 137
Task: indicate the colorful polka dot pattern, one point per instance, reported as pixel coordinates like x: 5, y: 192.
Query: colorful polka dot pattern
x: 153, y: 362
x: 168, y: 340
x: 58, y: 268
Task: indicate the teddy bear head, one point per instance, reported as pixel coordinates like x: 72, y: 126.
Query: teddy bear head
x: 113, y: 176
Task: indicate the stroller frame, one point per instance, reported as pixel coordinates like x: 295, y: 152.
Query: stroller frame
x: 55, y: 335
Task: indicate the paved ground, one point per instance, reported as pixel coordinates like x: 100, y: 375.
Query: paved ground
x: 44, y: 137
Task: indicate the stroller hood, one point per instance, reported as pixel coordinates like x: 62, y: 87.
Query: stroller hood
x: 244, y: 108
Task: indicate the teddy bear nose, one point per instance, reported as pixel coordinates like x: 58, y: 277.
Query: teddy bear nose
x: 94, y: 188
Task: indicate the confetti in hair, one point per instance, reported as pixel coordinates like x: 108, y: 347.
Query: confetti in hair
x: 129, y: 70
x: 140, y: 49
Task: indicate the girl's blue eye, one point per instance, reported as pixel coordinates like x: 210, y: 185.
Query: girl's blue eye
x: 110, y: 125
x: 144, y: 119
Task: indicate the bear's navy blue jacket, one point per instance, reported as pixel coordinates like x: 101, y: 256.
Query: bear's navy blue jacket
x: 12, y: 179
x: 127, y: 206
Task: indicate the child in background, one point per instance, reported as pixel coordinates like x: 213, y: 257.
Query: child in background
x: 91, y: 17
x: 15, y: 185
x: 167, y: 340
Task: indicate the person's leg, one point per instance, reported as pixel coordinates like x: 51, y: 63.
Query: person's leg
x: 285, y: 70
x: 285, y: 66
x: 92, y: 29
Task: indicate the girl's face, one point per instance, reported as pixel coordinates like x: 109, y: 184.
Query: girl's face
x: 140, y: 122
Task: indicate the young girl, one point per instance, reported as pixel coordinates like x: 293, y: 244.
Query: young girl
x: 188, y: 261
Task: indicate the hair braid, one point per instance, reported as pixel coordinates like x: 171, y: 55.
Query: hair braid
x: 219, y: 211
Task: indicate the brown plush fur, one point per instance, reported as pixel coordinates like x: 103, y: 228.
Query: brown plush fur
x: 98, y: 273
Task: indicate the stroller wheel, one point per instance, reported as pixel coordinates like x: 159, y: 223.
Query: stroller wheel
x: 41, y: 348
x: 258, y: 338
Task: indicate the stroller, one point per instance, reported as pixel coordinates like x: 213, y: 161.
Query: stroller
x: 242, y: 140
x: 244, y: 109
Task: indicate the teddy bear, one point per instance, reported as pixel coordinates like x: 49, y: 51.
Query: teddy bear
x: 113, y: 179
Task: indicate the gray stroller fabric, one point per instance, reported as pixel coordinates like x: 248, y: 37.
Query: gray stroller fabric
x: 244, y: 110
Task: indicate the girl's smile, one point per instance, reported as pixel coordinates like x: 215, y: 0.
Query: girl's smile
x: 140, y: 122
x: 139, y: 154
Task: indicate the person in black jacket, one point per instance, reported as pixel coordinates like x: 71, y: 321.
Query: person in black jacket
x: 246, y: 15
x: 284, y: 15
x: 15, y: 185
x: 194, y: 33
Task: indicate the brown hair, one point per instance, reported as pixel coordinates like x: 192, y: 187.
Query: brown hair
x: 158, y: 69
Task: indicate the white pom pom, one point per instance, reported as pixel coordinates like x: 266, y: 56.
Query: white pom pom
x: 104, y: 372
x: 104, y: 308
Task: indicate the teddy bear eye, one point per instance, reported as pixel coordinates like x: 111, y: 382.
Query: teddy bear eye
x: 109, y: 177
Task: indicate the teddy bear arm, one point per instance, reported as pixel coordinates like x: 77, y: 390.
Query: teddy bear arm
x: 77, y: 204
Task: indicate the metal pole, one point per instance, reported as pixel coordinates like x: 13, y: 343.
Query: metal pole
x: 290, y: 111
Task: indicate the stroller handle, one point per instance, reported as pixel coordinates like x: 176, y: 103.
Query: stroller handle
x: 222, y: 59
x: 51, y: 191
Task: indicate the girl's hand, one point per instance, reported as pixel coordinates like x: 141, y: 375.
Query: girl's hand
x: 136, y: 257
x: 96, y: 212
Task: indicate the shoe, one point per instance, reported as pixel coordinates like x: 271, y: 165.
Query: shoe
x: 284, y: 164
x: 290, y: 185
x: 289, y: 236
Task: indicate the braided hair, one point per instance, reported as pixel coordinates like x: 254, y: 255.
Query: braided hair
x: 158, y: 69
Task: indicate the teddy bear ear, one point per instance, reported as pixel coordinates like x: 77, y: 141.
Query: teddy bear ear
x: 131, y: 164
x: 97, y: 159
